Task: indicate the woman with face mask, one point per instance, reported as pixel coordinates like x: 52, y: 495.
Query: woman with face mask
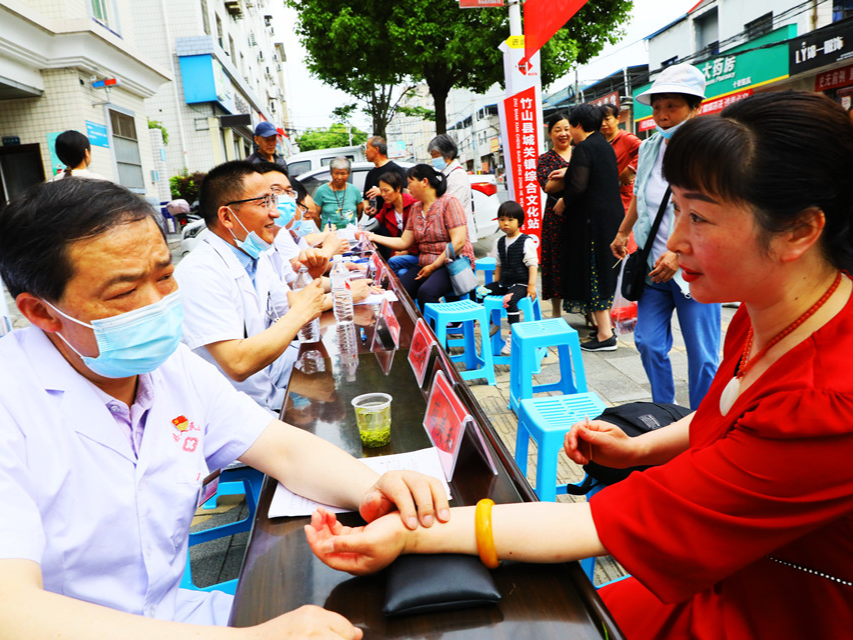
x: 444, y: 158
x: 674, y: 97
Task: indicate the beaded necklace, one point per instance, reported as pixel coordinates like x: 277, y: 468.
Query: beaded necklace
x: 732, y: 390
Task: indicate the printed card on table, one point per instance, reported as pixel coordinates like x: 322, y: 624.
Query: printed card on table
x: 444, y: 422
x: 386, y: 322
x: 422, y: 341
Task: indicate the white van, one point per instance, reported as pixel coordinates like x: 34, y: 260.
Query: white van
x: 300, y: 163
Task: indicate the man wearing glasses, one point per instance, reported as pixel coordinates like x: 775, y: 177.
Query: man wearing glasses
x: 238, y: 314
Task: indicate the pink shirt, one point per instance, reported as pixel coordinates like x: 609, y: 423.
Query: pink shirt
x: 432, y: 231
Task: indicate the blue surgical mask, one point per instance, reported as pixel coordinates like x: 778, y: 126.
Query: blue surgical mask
x: 286, y: 210
x: 667, y: 133
x: 306, y: 227
x: 252, y: 246
x: 135, y: 342
x: 439, y: 163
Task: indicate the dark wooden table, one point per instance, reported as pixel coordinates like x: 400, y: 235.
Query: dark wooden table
x: 280, y: 573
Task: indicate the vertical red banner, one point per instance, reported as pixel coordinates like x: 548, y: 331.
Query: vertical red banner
x: 523, y: 138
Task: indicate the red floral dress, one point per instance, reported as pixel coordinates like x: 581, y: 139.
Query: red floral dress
x: 552, y: 230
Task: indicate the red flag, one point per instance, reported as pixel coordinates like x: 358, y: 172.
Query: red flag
x: 542, y: 19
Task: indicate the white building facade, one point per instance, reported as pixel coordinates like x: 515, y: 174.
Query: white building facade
x: 52, y: 53
x: 228, y: 71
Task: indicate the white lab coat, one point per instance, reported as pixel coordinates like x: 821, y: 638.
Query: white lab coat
x: 106, y: 526
x: 221, y: 303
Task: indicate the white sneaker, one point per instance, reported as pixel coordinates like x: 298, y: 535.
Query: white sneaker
x: 507, y: 348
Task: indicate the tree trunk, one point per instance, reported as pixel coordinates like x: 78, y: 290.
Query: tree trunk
x: 439, y: 96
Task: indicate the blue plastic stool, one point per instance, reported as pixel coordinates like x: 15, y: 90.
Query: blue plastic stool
x: 239, y: 480
x: 547, y: 421
x: 487, y: 266
x: 440, y: 314
x: 527, y: 338
x: 494, y: 306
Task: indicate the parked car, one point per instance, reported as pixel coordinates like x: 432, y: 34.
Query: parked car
x: 318, y: 158
x: 483, y: 191
x: 192, y: 233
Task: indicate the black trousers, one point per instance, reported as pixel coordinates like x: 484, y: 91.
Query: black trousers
x: 517, y: 290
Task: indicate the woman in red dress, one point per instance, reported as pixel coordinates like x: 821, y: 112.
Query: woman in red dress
x: 741, y: 529
x: 551, y: 263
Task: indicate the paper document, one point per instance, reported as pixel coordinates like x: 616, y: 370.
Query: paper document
x: 286, y: 503
x: 377, y: 298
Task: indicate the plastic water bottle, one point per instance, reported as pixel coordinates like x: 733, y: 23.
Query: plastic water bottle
x: 347, y: 349
x: 310, y: 332
x: 341, y: 291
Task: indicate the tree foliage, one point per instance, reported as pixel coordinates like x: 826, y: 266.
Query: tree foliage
x: 375, y: 49
x: 338, y: 135
x: 186, y: 185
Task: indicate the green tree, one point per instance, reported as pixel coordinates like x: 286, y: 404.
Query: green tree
x: 338, y: 135
x: 364, y: 47
x: 186, y: 185
x: 346, y: 40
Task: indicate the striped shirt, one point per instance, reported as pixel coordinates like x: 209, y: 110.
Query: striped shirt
x: 432, y: 232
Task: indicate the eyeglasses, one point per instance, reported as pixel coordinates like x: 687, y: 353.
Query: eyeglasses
x: 289, y: 191
x: 269, y: 201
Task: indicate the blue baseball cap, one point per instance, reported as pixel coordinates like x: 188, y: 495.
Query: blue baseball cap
x: 265, y: 129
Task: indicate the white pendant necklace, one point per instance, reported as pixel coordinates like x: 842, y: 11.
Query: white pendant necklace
x: 729, y: 395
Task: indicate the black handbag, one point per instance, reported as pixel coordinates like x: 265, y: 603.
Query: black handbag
x: 635, y: 419
x: 635, y: 270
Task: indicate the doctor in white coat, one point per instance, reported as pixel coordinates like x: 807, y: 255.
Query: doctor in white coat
x: 108, y: 425
x: 234, y: 311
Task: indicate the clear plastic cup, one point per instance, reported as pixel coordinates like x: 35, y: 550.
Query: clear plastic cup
x: 373, y: 417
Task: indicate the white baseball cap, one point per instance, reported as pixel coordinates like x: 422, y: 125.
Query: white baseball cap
x: 678, y: 78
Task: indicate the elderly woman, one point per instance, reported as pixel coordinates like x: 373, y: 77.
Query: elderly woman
x: 675, y: 97
x: 444, y: 153
x: 435, y: 220
x: 338, y: 202
x: 722, y: 538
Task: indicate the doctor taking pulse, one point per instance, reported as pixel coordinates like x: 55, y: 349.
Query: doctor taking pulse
x: 89, y: 395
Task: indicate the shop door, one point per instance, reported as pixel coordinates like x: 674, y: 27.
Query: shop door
x: 20, y: 167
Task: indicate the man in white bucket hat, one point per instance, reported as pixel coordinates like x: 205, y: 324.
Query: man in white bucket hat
x: 675, y: 97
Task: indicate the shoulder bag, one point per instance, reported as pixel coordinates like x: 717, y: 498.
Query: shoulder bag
x: 462, y: 276
x: 636, y: 268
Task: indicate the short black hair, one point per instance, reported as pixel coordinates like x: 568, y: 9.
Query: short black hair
x: 556, y: 117
x: 609, y: 109
x: 264, y: 167
x: 778, y: 154
x: 511, y: 209
x: 71, y: 147
x: 222, y: 184
x: 586, y: 116
x: 436, y: 179
x: 299, y: 188
x: 38, y: 227
x: 378, y: 143
x: 392, y: 179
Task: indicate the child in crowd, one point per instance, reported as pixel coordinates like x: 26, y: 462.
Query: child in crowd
x: 516, y: 264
